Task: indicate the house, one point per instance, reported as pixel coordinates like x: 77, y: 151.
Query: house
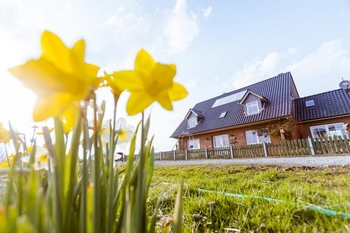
x: 267, y: 111
x: 323, y: 114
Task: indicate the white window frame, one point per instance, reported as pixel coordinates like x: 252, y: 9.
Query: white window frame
x: 252, y: 107
x: 192, y: 122
x: 327, y: 130
x: 252, y: 137
x: 221, y: 141
x: 193, y: 144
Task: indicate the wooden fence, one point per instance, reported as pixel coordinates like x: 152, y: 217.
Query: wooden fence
x: 300, y: 147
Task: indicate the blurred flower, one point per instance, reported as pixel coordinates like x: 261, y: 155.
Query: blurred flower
x: 109, y: 81
x: 60, y: 78
x: 5, y: 162
x: 105, y: 131
x: 41, y: 160
x: 125, y: 132
x: 150, y: 81
x: 4, y: 135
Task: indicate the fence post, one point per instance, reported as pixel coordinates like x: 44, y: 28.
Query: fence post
x: 160, y: 156
x: 265, y: 150
x: 206, y: 153
x: 310, y: 146
x: 231, y: 151
x: 186, y: 154
x: 174, y: 155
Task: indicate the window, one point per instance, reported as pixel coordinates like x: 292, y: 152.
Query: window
x: 192, y: 122
x: 257, y: 136
x: 252, y: 107
x: 309, y: 103
x: 193, y: 144
x: 223, y: 114
x: 221, y: 141
x: 327, y: 130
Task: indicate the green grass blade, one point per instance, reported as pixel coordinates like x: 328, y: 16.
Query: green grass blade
x: 178, y: 209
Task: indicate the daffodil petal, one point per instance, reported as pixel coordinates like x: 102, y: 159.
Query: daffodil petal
x: 165, y: 101
x: 91, y: 72
x: 138, y: 102
x: 128, y: 80
x: 52, y: 105
x: 177, y: 92
x: 42, y: 77
x: 121, y: 123
x: 144, y: 61
x: 54, y: 50
x: 69, y: 117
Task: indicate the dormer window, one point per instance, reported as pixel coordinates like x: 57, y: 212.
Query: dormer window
x: 252, y: 107
x: 193, y: 117
x: 192, y: 122
x: 253, y: 103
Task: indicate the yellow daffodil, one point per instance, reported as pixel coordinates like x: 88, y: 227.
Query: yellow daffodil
x: 109, y: 80
x: 149, y: 81
x: 5, y: 162
x: 4, y: 134
x: 60, y: 78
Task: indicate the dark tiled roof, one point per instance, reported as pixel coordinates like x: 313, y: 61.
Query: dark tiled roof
x: 197, y: 112
x: 327, y: 104
x: 276, y: 89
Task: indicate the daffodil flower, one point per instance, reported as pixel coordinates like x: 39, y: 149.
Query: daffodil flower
x: 41, y: 160
x: 125, y: 132
x: 150, y: 81
x: 109, y: 81
x: 5, y: 162
x: 105, y: 131
x: 4, y: 134
x: 60, y: 78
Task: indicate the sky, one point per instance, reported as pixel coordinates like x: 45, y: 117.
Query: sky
x: 217, y: 46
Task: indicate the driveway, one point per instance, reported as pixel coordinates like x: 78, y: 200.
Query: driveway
x: 317, y: 161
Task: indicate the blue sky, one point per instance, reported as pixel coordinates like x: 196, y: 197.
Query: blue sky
x: 218, y: 46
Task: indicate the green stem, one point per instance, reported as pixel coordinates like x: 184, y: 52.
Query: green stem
x: 85, y: 179
x: 110, y: 197
x: 97, y: 185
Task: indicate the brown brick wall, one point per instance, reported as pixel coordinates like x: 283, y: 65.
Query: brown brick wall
x: 206, y: 140
x: 302, y: 131
x: 305, y: 127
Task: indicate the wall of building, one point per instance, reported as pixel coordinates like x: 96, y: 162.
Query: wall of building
x: 304, y: 128
x: 236, y: 137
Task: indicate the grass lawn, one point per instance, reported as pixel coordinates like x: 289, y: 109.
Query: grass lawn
x: 293, y: 189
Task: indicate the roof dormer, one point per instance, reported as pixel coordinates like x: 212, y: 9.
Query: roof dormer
x: 253, y: 103
x: 193, y: 117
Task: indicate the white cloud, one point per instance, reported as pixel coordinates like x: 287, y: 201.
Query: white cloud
x: 322, y: 69
x: 126, y: 25
x: 207, y: 12
x: 257, y: 70
x: 319, y: 71
x: 181, y: 28
x: 323, y: 60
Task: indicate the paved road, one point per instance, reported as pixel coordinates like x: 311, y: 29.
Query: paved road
x: 292, y: 161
